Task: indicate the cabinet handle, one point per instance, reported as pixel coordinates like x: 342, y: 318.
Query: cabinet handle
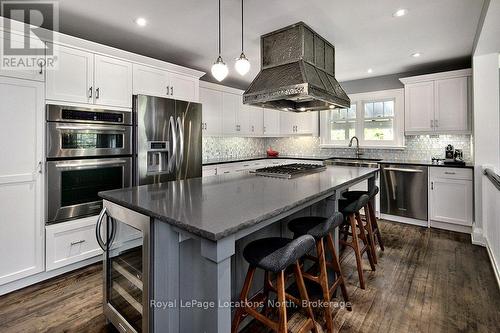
x: 264, y: 129
x: 77, y: 242
x: 436, y: 123
x: 206, y: 126
x: 252, y: 128
x: 90, y: 92
x: 449, y: 173
x: 172, y: 90
x: 432, y: 185
x: 168, y: 90
x: 97, y: 93
x: 432, y: 123
x: 40, y: 167
x: 40, y: 63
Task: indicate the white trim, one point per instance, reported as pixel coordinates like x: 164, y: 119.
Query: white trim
x: 406, y: 220
x: 495, y: 265
x: 220, y: 87
x: 477, y: 236
x: 451, y: 226
x: 30, y: 280
x: 437, y: 76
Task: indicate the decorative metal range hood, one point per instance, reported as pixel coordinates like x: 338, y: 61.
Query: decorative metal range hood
x: 297, y: 72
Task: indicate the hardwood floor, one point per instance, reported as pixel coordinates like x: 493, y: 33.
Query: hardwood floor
x: 426, y: 281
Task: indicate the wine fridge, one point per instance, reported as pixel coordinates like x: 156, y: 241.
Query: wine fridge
x: 124, y: 236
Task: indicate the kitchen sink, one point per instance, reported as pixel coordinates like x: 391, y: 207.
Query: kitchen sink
x: 357, y: 162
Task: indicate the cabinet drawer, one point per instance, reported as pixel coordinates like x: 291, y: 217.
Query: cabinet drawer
x: 452, y: 173
x: 70, y: 242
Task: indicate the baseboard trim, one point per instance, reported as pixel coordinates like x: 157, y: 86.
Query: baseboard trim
x: 452, y: 227
x: 477, y: 237
x: 406, y: 220
x: 33, y: 279
x: 494, y: 263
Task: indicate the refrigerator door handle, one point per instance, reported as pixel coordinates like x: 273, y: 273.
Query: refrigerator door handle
x: 172, y: 160
x: 180, y: 125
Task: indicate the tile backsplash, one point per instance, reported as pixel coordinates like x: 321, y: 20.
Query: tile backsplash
x: 419, y: 147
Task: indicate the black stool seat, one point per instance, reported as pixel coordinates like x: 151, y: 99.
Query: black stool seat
x: 354, y: 195
x: 316, y: 226
x: 351, y: 207
x: 275, y: 254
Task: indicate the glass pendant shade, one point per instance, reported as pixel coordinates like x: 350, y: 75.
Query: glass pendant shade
x: 219, y: 69
x: 242, y: 64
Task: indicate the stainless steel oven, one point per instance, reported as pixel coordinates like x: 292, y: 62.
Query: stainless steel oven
x: 81, y: 132
x: 88, y: 151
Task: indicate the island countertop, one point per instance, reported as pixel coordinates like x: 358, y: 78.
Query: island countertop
x: 218, y: 206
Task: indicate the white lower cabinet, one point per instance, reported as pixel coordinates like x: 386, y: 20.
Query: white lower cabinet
x: 209, y: 170
x: 451, y: 196
x: 71, y: 242
x: 231, y: 168
x: 21, y: 179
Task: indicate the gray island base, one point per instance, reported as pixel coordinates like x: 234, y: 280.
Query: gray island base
x: 193, y: 235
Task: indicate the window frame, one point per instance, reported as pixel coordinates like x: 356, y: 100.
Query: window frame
x: 359, y: 100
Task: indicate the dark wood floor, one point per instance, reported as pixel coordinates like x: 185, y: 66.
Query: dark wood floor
x: 426, y: 281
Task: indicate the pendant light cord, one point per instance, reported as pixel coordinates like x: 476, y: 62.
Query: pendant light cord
x: 219, y: 32
x: 241, y: 26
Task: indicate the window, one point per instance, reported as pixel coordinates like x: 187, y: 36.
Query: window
x: 376, y: 118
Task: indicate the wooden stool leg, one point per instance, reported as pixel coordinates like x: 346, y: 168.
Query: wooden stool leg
x: 267, y: 289
x: 371, y: 237
x: 375, y: 227
x: 363, y: 237
x: 303, y: 294
x: 323, y: 279
x: 240, y: 312
x: 338, y: 271
x: 357, y: 252
x: 280, y: 286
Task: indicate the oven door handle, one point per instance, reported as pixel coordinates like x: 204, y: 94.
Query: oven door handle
x: 92, y: 128
x: 91, y: 164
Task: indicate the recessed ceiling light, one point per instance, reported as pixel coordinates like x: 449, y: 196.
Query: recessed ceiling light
x: 141, y: 21
x: 400, y: 12
x: 416, y: 54
x: 332, y: 106
x: 369, y: 71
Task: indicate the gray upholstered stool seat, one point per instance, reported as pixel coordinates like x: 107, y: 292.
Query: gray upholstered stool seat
x: 316, y: 226
x: 354, y: 195
x: 275, y: 254
x: 351, y: 207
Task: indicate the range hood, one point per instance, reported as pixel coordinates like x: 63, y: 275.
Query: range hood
x: 297, y: 72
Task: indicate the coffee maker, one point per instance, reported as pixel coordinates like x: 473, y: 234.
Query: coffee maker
x: 449, y: 152
x: 453, y: 156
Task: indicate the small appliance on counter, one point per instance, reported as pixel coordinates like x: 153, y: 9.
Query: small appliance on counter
x: 453, y: 156
x: 272, y: 153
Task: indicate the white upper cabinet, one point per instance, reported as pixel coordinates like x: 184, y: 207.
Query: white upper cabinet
x: 437, y: 103
x: 305, y: 122
x: 271, y: 122
x: 73, y: 79
x: 150, y: 81
x: 231, y: 104
x: 211, y: 101
x: 184, y: 87
x: 84, y: 77
x: 21, y: 179
x: 256, y: 121
x: 451, y: 97
x: 287, y: 122
x: 296, y: 123
x: 113, y: 82
x: 419, y: 107
x: 37, y: 72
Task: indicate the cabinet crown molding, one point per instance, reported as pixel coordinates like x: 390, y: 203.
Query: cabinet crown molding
x: 436, y: 76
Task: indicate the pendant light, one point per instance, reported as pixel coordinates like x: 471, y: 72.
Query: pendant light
x: 242, y: 64
x: 219, y: 68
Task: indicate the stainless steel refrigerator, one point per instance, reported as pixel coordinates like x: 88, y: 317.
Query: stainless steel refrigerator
x: 167, y: 137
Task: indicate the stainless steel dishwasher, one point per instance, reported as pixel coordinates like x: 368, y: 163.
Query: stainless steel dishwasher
x: 404, y: 190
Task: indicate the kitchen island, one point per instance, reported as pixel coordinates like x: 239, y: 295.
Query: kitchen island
x: 190, y: 235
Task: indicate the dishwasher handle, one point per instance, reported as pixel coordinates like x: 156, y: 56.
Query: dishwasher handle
x: 404, y: 170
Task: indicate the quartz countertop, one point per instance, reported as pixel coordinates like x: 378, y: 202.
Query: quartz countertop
x: 218, y: 206
x: 426, y: 163
x: 213, y: 161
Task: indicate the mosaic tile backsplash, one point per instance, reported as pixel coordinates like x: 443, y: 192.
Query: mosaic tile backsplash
x: 420, y: 147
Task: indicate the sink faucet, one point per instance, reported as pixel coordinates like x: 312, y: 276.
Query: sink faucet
x: 358, y: 154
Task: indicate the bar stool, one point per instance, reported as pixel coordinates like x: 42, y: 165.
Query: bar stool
x: 274, y: 255
x: 350, y: 210
x: 354, y: 195
x: 320, y: 228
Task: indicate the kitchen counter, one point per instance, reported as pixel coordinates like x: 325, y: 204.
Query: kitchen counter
x: 426, y: 163
x: 219, y: 206
x: 263, y: 157
x: 194, y: 232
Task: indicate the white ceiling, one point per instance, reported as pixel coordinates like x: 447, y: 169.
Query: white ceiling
x: 364, y: 32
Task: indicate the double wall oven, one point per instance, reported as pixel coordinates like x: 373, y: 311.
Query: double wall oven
x: 88, y: 151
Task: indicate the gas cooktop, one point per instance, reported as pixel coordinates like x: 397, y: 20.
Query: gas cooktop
x: 290, y: 170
